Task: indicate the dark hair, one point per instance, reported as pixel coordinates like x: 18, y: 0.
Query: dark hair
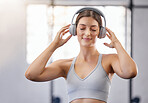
x: 89, y: 13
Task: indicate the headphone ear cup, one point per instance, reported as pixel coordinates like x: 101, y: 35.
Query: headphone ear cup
x: 72, y: 29
x: 102, y: 33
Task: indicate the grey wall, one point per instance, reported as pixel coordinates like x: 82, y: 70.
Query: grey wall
x: 140, y: 50
x: 14, y: 88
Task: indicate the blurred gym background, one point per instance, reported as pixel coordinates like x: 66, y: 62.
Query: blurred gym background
x: 27, y: 27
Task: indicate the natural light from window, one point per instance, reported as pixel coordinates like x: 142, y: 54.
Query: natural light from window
x: 43, y: 23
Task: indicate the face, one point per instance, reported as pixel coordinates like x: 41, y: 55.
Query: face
x: 87, y: 31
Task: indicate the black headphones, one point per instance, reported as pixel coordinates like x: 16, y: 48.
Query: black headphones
x: 72, y: 28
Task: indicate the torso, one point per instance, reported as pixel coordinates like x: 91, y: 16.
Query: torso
x: 82, y: 73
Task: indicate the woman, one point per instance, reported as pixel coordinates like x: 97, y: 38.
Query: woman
x: 89, y: 74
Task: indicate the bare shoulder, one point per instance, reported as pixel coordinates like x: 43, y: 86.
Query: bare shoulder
x: 110, y: 58
x: 64, y: 64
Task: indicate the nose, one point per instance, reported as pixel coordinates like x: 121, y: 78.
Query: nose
x: 87, y: 32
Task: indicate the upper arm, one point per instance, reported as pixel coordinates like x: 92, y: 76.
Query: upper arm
x: 116, y: 65
x: 52, y: 71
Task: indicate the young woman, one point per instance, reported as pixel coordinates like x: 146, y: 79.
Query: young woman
x: 89, y: 74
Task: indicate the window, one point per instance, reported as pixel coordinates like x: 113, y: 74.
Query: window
x: 43, y: 22
x: 37, y: 31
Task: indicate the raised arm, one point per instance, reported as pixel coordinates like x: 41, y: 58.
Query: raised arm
x: 37, y: 70
x: 123, y: 65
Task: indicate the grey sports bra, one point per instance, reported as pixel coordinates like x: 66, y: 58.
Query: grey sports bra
x: 96, y: 85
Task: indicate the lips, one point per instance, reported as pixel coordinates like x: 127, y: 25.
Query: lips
x: 87, y: 39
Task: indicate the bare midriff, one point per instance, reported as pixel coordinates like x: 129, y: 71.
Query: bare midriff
x: 85, y: 100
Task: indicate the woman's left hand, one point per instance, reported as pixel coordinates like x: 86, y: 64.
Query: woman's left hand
x: 112, y: 37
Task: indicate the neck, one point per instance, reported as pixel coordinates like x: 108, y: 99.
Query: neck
x: 88, y: 53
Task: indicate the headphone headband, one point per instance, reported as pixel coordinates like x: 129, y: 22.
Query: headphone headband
x: 92, y: 9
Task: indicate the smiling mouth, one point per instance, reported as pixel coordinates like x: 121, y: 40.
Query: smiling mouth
x: 87, y: 39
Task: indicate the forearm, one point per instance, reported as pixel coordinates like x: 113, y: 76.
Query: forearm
x: 38, y: 65
x: 127, y: 64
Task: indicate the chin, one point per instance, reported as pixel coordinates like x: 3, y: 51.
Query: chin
x: 88, y: 45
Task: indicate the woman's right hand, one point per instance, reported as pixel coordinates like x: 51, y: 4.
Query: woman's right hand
x: 59, y: 41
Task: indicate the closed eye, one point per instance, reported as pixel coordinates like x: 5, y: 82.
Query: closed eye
x: 82, y: 28
x: 93, y: 29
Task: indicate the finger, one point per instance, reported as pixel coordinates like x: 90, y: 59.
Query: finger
x: 64, y: 28
x: 106, y: 44
x: 108, y: 36
x: 67, y: 38
x: 109, y: 31
x: 67, y: 26
x: 60, y: 34
x: 64, y: 33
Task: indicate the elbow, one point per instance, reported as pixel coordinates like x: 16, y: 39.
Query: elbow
x: 133, y: 73
x: 29, y: 76
x: 32, y: 77
x: 130, y: 74
x: 135, y: 70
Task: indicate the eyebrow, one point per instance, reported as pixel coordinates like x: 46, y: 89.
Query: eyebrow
x: 91, y: 25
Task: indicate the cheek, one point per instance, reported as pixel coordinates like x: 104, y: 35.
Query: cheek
x: 95, y: 35
x: 79, y: 33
